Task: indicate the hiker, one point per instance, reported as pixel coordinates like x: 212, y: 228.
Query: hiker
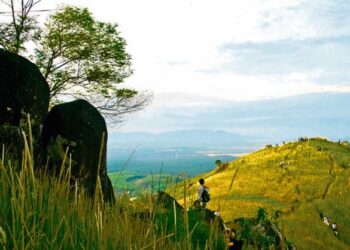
x: 233, y: 243
x: 217, y: 213
x: 321, y: 215
x: 203, y: 193
x: 326, y: 221
x: 335, y: 229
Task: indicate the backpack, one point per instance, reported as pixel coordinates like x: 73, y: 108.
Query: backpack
x: 205, y: 195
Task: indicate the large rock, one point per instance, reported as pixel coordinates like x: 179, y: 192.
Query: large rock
x: 80, y: 127
x: 167, y: 201
x: 23, y: 90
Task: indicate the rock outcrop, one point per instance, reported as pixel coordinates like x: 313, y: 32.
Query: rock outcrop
x: 79, y: 128
x: 23, y: 90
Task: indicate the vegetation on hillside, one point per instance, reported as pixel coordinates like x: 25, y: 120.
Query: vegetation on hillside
x: 294, y: 182
x: 39, y: 211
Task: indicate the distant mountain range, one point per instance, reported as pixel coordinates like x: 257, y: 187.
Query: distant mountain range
x: 191, y: 151
x: 274, y: 120
x: 198, y: 139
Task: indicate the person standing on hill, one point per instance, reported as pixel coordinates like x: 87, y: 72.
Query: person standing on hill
x: 326, y: 221
x: 203, y: 194
x: 335, y: 229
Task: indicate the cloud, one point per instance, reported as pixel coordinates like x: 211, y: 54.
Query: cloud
x: 325, y: 56
x: 176, y: 63
x: 304, y: 20
x: 303, y: 42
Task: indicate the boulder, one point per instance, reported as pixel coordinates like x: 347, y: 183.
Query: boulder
x: 209, y: 215
x: 167, y: 201
x: 23, y: 90
x: 78, y: 127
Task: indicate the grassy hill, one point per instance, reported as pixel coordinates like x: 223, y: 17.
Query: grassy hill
x: 293, y: 182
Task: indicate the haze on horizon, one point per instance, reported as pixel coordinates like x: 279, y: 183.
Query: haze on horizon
x: 251, y: 67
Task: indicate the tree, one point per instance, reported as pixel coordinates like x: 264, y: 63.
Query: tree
x: 20, y: 27
x: 261, y: 215
x: 218, y: 163
x: 81, y: 58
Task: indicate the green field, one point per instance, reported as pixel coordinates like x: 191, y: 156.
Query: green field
x: 136, y: 183
x: 296, y: 181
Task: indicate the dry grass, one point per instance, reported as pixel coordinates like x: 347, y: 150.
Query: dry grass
x: 298, y: 179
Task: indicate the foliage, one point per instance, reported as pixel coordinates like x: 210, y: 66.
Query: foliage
x: 256, y: 231
x: 246, y: 233
x: 218, y: 163
x: 76, y: 50
x: 261, y: 215
x: 222, y: 167
x: 203, y: 235
x: 21, y: 28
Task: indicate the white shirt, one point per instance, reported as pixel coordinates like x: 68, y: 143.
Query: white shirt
x: 200, y: 191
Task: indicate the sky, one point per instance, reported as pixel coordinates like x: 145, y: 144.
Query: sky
x: 206, y: 57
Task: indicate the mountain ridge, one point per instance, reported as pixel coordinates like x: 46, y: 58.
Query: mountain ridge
x: 195, y: 138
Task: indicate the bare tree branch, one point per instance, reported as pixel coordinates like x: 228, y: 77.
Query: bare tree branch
x: 18, y: 30
x: 115, y: 109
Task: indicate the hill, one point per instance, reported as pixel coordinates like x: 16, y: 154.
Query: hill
x: 294, y: 182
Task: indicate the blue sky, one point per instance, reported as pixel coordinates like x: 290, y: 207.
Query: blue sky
x: 205, y: 60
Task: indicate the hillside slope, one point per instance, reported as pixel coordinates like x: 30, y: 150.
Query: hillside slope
x: 295, y: 181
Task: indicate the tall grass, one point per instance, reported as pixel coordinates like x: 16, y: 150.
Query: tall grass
x: 40, y: 211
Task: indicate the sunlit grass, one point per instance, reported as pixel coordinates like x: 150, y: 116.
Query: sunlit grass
x: 296, y: 180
